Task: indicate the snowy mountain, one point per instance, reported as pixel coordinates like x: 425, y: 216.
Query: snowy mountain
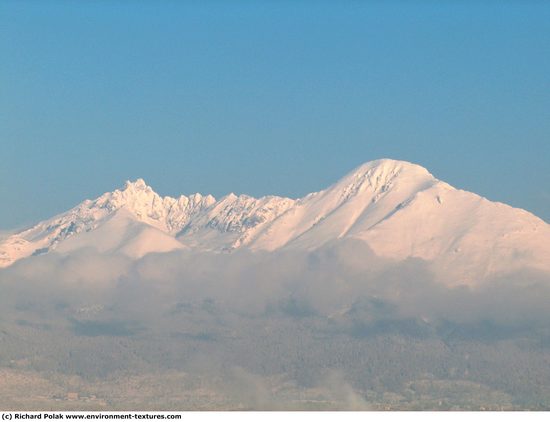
x: 137, y: 221
x: 398, y: 208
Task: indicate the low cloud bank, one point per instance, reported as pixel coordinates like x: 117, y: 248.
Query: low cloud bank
x: 341, y: 281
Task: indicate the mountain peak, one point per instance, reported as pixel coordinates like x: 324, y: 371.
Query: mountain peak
x: 398, y: 208
x: 379, y: 176
x: 137, y: 185
x: 389, y: 167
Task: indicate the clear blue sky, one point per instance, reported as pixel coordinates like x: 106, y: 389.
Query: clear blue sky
x: 269, y: 97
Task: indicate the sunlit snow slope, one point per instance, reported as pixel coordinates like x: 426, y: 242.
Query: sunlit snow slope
x: 398, y: 208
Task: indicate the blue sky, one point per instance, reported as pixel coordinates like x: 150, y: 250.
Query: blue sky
x: 269, y: 97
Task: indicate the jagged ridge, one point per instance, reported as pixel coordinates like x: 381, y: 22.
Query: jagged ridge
x: 398, y: 208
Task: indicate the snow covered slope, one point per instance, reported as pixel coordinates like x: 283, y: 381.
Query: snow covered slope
x: 402, y: 211
x: 118, y: 221
x: 398, y: 208
x: 121, y: 232
x: 136, y: 202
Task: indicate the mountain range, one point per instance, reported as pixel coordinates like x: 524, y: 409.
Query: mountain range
x: 398, y: 208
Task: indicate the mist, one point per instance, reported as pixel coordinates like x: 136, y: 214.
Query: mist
x: 261, y: 329
x: 339, y: 278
